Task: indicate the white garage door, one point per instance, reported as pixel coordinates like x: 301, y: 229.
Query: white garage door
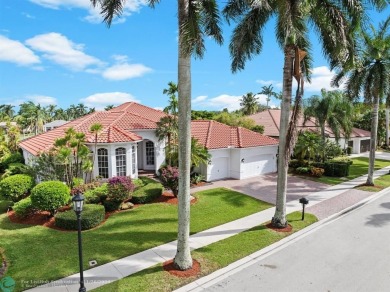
x: 259, y: 164
x: 219, y: 168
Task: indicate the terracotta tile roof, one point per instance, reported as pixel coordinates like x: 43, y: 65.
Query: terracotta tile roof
x: 117, y: 125
x: 215, y: 135
x: 270, y: 119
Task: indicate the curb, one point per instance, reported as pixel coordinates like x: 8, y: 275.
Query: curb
x: 217, y: 276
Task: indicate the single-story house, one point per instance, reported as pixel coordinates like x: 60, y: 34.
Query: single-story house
x: 270, y: 119
x: 127, y: 144
x: 52, y: 125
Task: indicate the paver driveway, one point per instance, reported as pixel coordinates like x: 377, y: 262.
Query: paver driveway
x: 263, y: 187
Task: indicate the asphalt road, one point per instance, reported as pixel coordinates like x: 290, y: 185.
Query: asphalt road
x: 351, y: 253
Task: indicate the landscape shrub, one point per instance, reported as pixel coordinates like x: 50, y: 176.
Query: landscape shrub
x: 138, y: 183
x: 196, y: 178
x: 82, y: 188
x: 24, y: 208
x: 120, y: 188
x: 16, y: 157
x: 302, y: 170
x: 16, y: 187
x: 5, y: 205
x: 170, y: 178
x: 317, y: 171
x: 50, y: 195
x: 336, y: 169
x: 91, y: 216
x: 15, y: 168
x: 147, y: 193
x: 112, y: 205
x: 96, y: 195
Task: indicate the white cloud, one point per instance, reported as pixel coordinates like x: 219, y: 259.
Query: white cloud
x: 321, y: 78
x: 61, y: 50
x: 100, y: 100
x: 267, y: 82
x: 199, y: 99
x: 231, y: 102
x: 130, y: 7
x: 28, y: 15
x: 15, y: 52
x: 125, y: 71
x: 42, y: 99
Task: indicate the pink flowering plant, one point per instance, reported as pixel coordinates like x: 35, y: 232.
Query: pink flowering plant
x: 120, y: 188
x: 170, y: 178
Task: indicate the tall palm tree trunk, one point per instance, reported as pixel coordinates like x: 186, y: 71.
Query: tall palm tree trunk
x: 279, y: 219
x: 374, y: 131
x: 183, y: 260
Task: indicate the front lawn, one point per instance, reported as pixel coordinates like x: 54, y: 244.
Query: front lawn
x: 379, y: 184
x: 38, y: 254
x: 358, y: 168
x: 211, y: 257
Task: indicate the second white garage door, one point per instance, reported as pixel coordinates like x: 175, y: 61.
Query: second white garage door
x: 259, y: 164
x: 219, y: 168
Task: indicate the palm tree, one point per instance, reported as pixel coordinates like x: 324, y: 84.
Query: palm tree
x: 268, y: 91
x: 331, y: 109
x: 331, y: 20
x: 33, y: 116
x: 7, y: 111
x: 167, y: 128
x: 51, y: 111
x: 171, y: 91
x: 370, y: 75
x: 108, y: 107
x: 196, y: 19
x: 249, y: 104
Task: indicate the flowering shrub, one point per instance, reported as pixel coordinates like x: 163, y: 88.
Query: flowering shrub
x: 170, y: 178
x: 120, y: 188
x: 317, y: 171
x: 82, y: 188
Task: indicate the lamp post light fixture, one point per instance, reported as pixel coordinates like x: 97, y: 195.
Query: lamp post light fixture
x: 78, y: 201
x: 304, y: 202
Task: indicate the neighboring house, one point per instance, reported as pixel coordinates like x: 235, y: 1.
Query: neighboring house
x: 270, y: 119
x: 54, y: 124
x: 4, y: 124
x: 127, y: 143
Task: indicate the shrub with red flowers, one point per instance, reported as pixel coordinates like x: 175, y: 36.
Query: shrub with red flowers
x: 170, y: 178
x: 120, y: 188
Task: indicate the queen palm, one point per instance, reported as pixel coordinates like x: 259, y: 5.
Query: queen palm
x: 331, y: 21
x: 196, y: 19
x: 249, y: 104
x: 7, y: 111
x: 331, y: 109
x: 268, y: 91
x: 370, y: 75
x: 171, y: 91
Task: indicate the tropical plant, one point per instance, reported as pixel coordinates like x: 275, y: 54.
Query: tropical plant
x: 169, y: 178
x: 268, y: 91
x: 370, y: 75
x: 171, y: 91
x: 249, y: 104
x: 120, y: 188
x: 307, y: 146
x: 32, y: 116
x: 7, y: 112
x: 333, y: 21
x: 331, y: 109
x: 196, y: 19
x: 108, y: 107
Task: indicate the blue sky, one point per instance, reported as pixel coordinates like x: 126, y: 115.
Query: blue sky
x: 59, y: 52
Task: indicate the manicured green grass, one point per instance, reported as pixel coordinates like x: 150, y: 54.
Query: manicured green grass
x: 358, y: 168
x: 38, y: 253
x: 211, y: 258
x: 379, y: 184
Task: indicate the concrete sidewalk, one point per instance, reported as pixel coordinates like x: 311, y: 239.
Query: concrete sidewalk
x: 124, y: 267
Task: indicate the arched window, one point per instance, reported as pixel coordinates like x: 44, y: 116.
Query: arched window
x: 120, y: 154
x: 103, y: 162
x: 149, y: 153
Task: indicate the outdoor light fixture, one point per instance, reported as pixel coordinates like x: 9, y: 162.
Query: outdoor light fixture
x: 78, y: 201
x: 243, y: 160
x: 304, y: 202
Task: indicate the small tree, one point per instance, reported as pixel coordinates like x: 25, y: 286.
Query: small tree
x: 170, y: 178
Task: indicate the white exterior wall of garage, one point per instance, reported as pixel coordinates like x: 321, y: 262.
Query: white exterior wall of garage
x: 240, y: 163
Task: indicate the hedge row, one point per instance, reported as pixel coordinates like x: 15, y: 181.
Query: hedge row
x: 91, y: 216
x: 16, y: 187
x: 147, y: 193
x: 24, y: 208
x: 334, y: 169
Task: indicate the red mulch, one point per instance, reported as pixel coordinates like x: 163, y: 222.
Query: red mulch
x: 288, y: 228
x: 170, y: 268
x: 168, y: 197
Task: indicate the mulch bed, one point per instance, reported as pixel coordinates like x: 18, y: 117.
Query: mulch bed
x: 194, y: 271
x: 168, y: 197
x: 288, y: 228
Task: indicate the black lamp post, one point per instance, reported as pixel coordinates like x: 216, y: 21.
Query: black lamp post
x: 78, y: 201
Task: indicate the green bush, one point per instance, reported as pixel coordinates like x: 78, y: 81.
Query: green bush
x: 15, y: 168
x: 24, y: 208
x: 138, y: 183
x: 5, y: 205
x: 147, y: 193
x: 96, y: 195
x: 16, y: 187
x: 302, y: 170
x: 50, y: 195
x: 91, y: 216
x: 112, y: 205
x: 295, y: 163
x: 337, y: 169
x: 10, y: 158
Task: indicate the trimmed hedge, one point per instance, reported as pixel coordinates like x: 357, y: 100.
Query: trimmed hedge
x: 147, y: 193
x: 91, y: 216
x: 50, y: 195
x: 97, y: 195
x: 112, y: 205
x: 24, y: 208
x: 5, y: 205
x: 334, y: 168
x: 11, y: 158
x: 16, y: 187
